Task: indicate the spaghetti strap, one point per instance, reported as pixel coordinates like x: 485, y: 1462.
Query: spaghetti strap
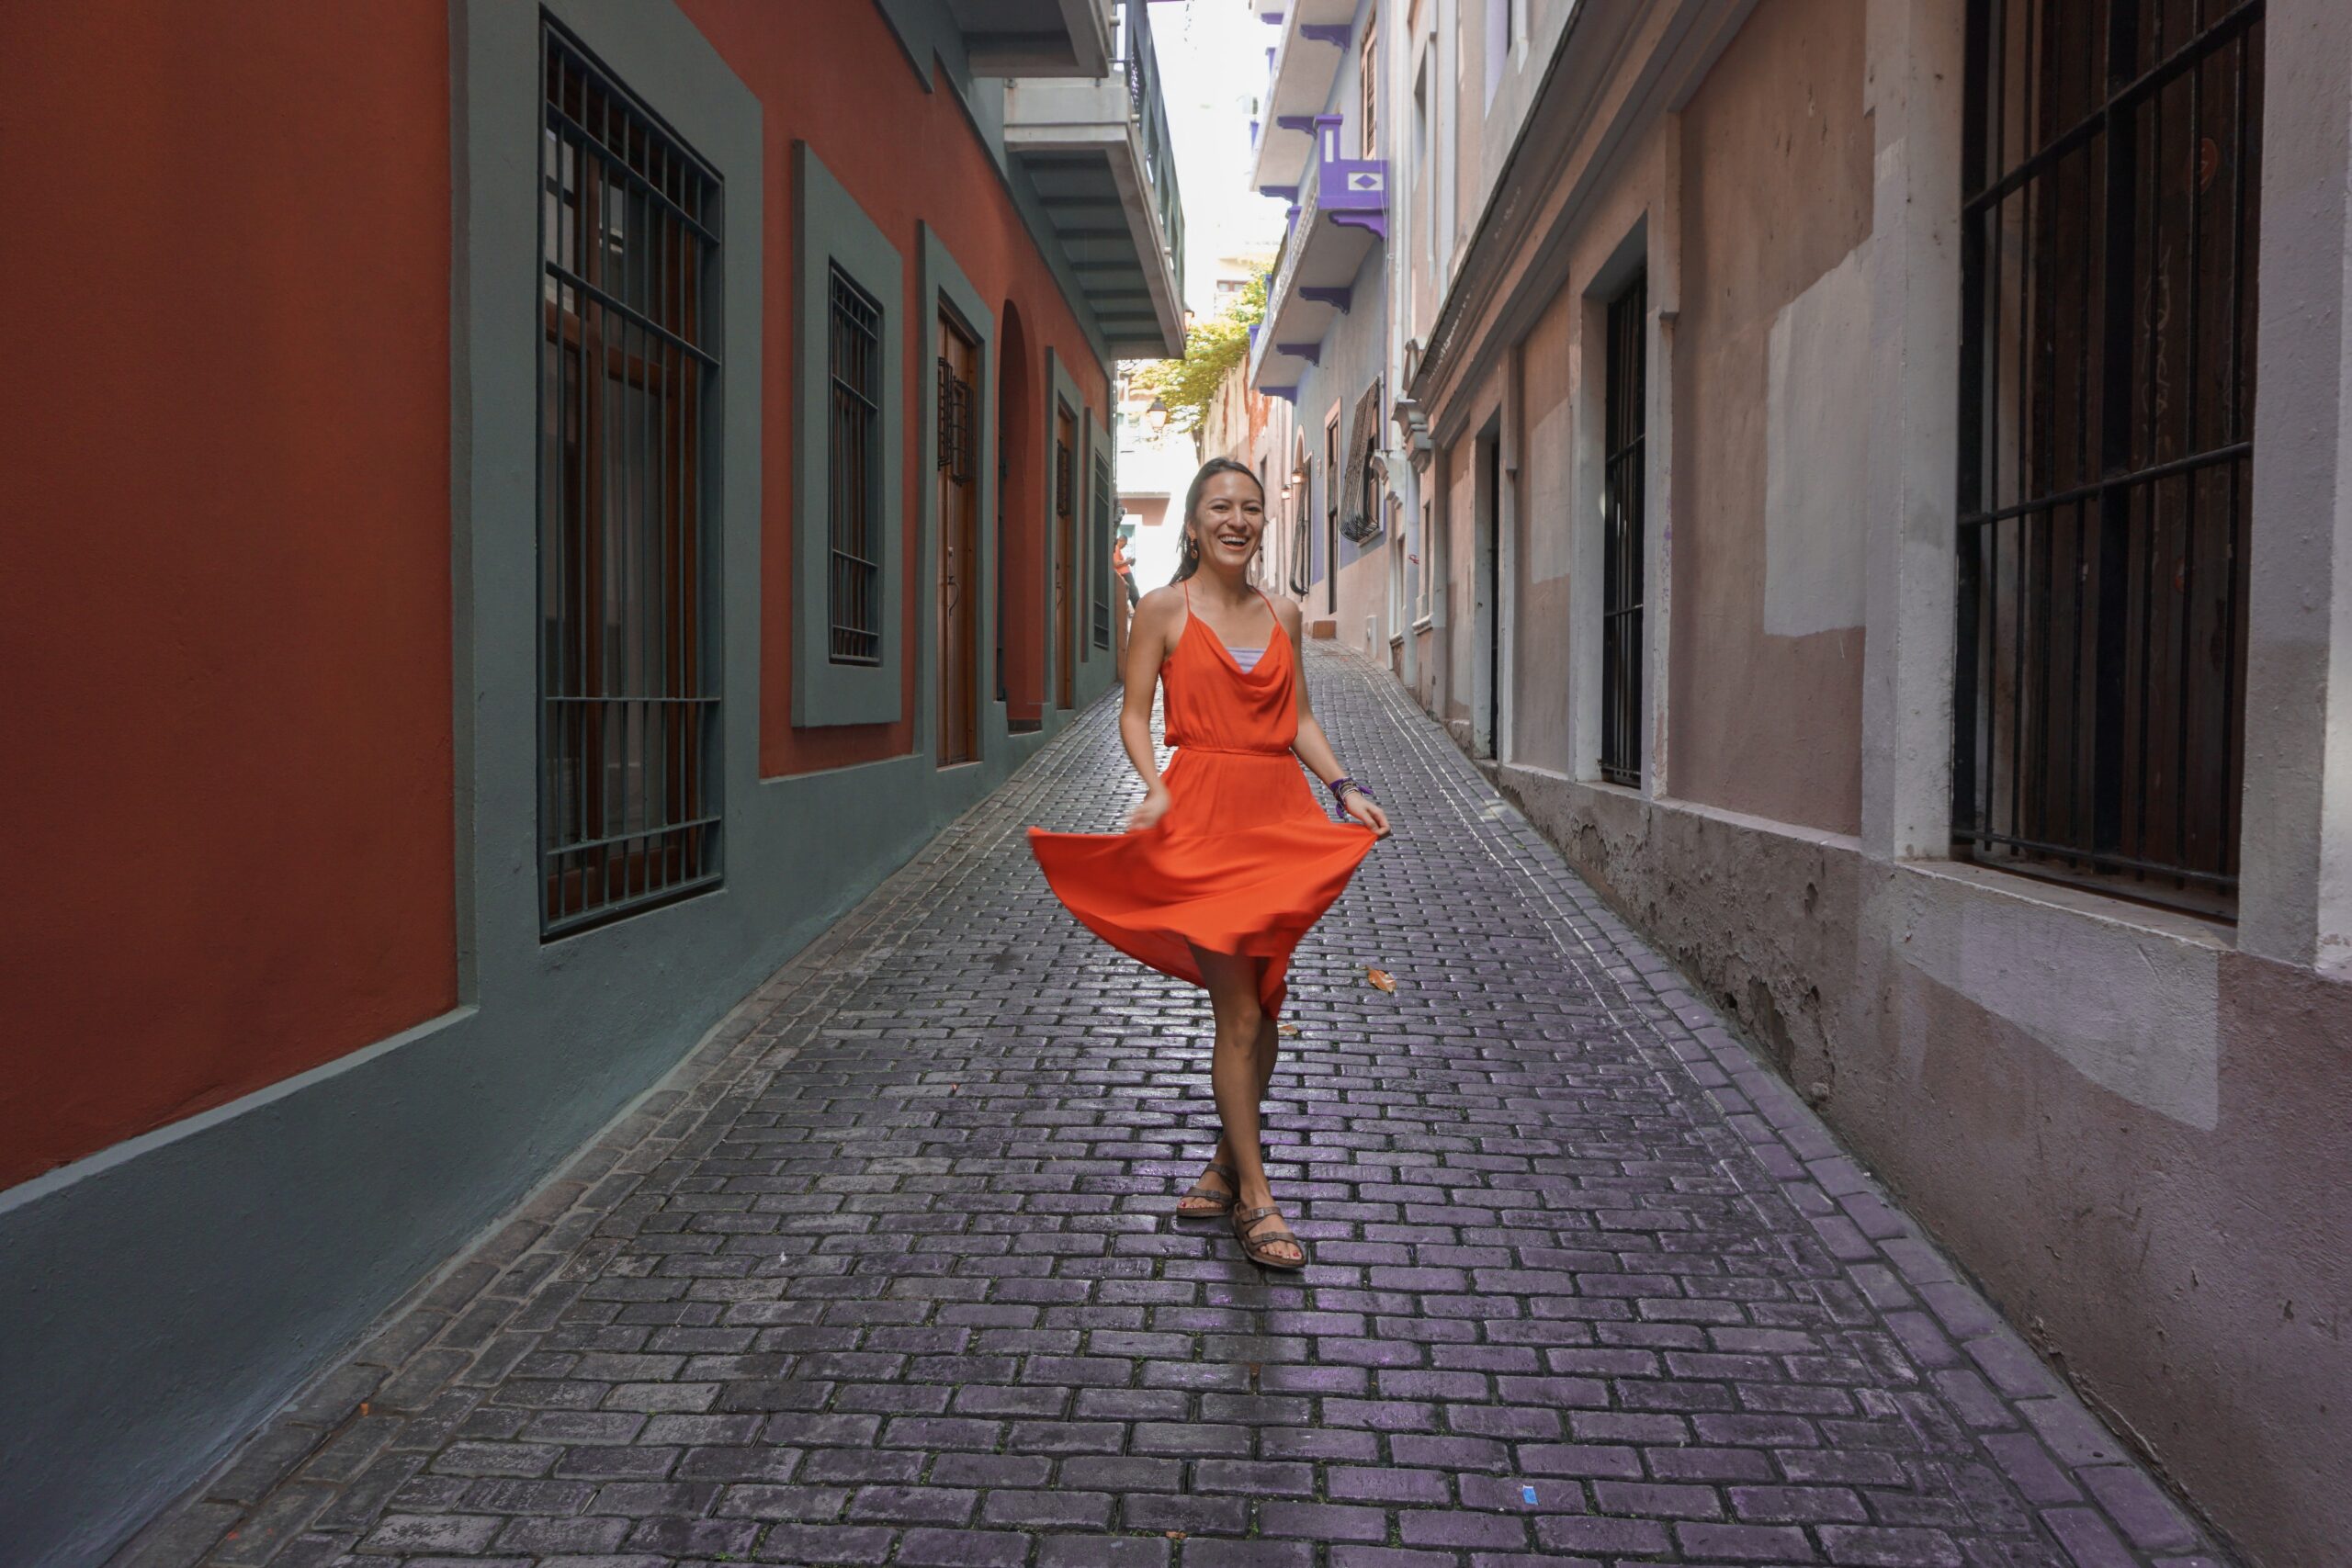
x: 1276, y: 634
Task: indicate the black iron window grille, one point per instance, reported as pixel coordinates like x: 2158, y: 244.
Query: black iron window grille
x: 1623, y: 536
x: 2110, y: 189
x: 855, y: 482
x: 1302, y: 543
x: 1065, y: 505
x: 628, y: 676
x: 1361, y: 520
x: 956, y: 437
x: 1106, y: 522
x: 1424, y: 561
x: 1334, y: 483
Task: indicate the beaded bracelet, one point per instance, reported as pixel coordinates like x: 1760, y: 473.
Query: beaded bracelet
x: 1340, y: 787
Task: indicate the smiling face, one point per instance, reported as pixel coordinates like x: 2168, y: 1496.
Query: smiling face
x: 1228, y: 521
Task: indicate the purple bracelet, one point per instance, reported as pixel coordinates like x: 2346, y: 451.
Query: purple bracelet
x: 1340, y: 787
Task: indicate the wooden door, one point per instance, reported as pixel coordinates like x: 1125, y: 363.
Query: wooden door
x: 1065, y: 553
x: 959, y: 544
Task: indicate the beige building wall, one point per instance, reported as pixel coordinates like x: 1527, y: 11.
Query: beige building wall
x: 1541, y: 735
x: 2134, y: 1126
x: 1770, y: 381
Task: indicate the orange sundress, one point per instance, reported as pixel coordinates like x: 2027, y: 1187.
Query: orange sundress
x: 1244, y: 860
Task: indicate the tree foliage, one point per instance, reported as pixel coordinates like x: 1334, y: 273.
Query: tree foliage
x: 1211, y: 349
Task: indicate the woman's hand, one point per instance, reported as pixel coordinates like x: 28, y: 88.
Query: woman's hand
x: 1154, y: 807
x: 1366, y: 810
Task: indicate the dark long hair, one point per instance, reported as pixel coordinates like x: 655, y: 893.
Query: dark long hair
x: 1188, y: 554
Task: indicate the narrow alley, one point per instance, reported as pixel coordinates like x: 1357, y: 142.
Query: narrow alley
x: 883, y: 1272
x: 560, y: 545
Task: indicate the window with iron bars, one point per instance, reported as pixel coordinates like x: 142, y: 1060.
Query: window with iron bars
x: 2111, y: 210
x: 956, y: 437
x: 1105, y: 523
x: 1425, y: 566
x: 628, y: 503
x: 856, y: 486
x: 1329, y: 560
x: 1624, y: 536
x: 1360, y: 518
x: 1302, y: 543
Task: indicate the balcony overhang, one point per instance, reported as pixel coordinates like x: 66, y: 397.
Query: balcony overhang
x: 1342, y: 216
x: 1310, y: 42
x: 1034, y: 38
x: 1083, y: 153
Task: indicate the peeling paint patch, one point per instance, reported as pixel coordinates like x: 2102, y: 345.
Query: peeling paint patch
x: 2136, y: 1011
x: 1816, y: 452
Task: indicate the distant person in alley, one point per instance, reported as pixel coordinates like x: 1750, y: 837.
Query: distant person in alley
x: 1125, y: 569
x: 1124, y: 605
x: 1229, y: 859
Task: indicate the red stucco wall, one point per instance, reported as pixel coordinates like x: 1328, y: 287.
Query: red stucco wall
x: 224, y: 572
x: 836, y: 77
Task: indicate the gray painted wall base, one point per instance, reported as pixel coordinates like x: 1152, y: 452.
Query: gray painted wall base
x: 164, y: 1296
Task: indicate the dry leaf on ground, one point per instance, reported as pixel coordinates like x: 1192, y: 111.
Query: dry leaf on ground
x: 1289, y: 1028
x: 1382, y: 978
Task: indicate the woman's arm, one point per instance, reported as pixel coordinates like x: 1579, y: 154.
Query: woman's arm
x: 1149, y: 637
x: 1313, y: 747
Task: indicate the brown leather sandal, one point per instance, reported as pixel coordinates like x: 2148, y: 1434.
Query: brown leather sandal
x: 1248, y: 1220
x: 1223, y: 1202
x: 1220, y: 1203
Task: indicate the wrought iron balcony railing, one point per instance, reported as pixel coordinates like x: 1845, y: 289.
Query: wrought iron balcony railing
x: 1100, y: 145
x: 1135, y: 63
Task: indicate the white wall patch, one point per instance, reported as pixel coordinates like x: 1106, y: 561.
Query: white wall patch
x: 2136, y: 1011
x: 1816, y: 453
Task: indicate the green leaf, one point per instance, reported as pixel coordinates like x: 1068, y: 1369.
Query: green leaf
x: 1212, y: 348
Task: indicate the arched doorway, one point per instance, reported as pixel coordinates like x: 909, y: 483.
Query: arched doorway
x: 1019, y: 650
x: 961, y: 570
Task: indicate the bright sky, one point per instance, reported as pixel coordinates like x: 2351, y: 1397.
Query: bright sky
x: 1212, y: 67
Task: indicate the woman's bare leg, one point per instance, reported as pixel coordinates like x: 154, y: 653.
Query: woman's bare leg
x: 1268, y: 1051
x: 1238, y: 1071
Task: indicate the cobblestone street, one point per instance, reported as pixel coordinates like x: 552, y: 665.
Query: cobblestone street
x: 885, y: 1274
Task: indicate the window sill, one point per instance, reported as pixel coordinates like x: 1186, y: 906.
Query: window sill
x: 2117, y: 887
x: 2177, y: 925
x: 1610, y: 786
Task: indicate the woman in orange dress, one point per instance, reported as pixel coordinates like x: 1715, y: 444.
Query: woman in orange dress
x: 1229, y: 859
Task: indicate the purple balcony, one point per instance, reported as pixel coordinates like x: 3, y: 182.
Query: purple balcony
x: 1315, y: 39
x: 1355, y: 194
x: 1341, y: 218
